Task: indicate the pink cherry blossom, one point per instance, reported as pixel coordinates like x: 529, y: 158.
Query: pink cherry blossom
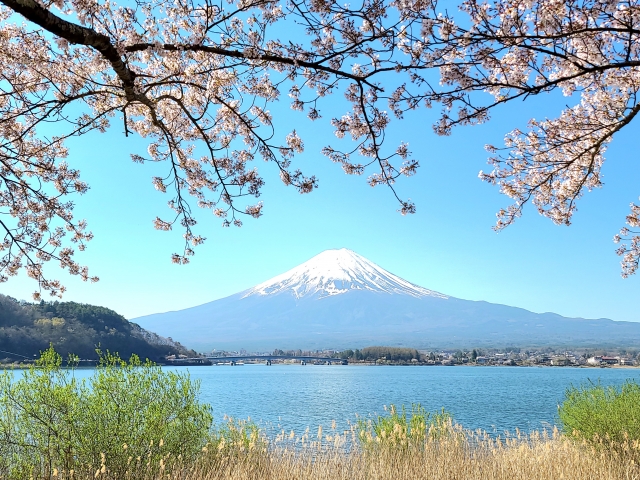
x: 196, y: 80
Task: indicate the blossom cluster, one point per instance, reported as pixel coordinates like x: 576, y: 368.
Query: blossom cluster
x: 194, y: 78
x: 197, y: 80
x: 589, y: 50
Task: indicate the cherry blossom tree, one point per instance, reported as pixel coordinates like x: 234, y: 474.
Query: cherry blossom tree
x: 515, y: 49
x: 197, y: 78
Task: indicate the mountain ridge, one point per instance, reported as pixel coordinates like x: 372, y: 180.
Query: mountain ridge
x: 339, y: 299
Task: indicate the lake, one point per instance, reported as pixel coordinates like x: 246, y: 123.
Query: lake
x: 494, y: 399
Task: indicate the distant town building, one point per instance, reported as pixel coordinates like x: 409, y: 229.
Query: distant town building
x: 611, y: 360
x: 560, y: 361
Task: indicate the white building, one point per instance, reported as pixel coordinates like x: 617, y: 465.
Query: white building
x: 594, y: 361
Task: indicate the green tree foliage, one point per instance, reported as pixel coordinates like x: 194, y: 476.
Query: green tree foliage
x: 393, y: 354
x: 598, y: 414
x: 28, y: 328
x: 127, y: 415
x: 345, y: 354
x: 371, y: 354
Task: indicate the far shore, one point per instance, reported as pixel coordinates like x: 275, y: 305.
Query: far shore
x: 24, y: 366
x: 372, y: 364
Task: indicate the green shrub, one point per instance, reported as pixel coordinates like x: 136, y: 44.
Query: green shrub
x: 600, y: 414
x: 127, y: 415
x: 401, y: 430
x: 237, y: 436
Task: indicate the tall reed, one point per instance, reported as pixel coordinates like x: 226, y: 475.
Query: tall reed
x: 456, y: 454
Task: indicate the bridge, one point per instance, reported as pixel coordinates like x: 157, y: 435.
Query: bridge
x: 269, y: 358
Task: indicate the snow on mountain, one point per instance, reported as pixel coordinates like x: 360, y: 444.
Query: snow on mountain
x: 335, y: 272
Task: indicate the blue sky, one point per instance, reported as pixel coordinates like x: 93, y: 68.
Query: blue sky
x: 448, y: 245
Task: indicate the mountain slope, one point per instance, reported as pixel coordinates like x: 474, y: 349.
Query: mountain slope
x: 339, y: 299
x: 26, y: 329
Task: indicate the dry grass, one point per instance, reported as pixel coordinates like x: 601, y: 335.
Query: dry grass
x: 460, y: 455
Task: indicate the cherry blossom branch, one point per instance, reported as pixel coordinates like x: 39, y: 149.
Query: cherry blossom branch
x: 261, y: 57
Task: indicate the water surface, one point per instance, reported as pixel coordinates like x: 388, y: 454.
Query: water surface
x: 494, y: 399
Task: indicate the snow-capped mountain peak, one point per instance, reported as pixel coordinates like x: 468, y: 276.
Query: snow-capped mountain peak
x: 335, y: 272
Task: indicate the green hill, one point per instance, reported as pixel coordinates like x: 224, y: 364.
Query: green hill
x: 27, y: 328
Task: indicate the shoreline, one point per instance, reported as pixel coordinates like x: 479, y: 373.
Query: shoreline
x: 370, y: 364
x: 13, y: 366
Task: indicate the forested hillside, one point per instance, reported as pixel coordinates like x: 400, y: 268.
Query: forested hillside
x: 27, y: 328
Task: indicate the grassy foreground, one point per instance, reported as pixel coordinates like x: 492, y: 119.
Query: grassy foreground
x: 454, y: 455
x: 134, y: 421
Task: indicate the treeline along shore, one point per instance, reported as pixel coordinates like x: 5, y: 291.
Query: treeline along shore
x: 385, y: 355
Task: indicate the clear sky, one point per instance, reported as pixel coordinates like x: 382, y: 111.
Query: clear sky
x: 447, y: 246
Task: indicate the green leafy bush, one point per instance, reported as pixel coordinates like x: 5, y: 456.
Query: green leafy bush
x: 398, y: 429
x: 603, y: 415
x: 237, y: 436
x: 127, y: 415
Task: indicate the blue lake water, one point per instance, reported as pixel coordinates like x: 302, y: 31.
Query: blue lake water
x: 494, y: 399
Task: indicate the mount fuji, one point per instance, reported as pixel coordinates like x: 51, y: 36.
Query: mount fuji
x: 336, y: 272
x: 339, y: 299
